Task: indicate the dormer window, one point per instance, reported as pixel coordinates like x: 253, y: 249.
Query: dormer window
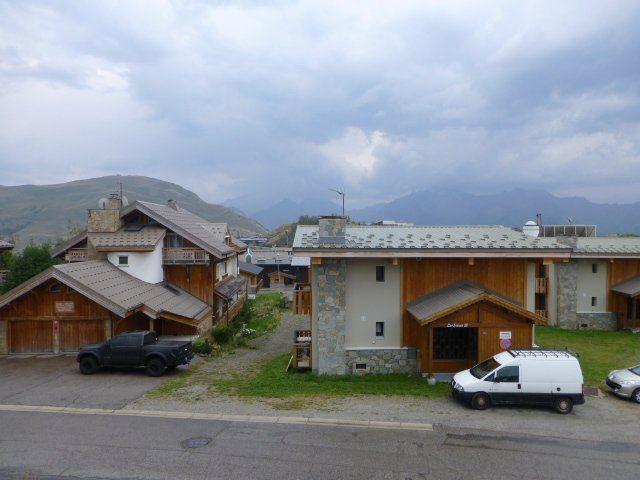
x: 123, y: 260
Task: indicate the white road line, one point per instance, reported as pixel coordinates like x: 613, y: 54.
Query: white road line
x: 221, y: 417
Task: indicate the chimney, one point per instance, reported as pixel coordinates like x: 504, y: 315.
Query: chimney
x: 105, y: 219
x: 333, y: 230
x: 173, y: 204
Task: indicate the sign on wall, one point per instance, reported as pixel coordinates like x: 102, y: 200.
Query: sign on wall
x: 65, y: 307
x: 505, y: 335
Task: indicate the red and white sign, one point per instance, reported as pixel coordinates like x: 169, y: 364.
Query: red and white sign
x: 505, y: 344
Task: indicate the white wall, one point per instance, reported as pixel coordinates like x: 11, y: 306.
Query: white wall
x: 369, y: 302
x: 592, y: 285
x: 232, y: 267
x: 146, y: 266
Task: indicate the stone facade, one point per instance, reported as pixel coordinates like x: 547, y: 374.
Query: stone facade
x: 4, y: 347
x: 332, y: 227
x: 597, y: 321
x: 388, y: 360
x: 567, y: 281
x: 330, y: 282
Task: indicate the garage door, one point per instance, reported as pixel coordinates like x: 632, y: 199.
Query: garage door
x: 30, y: 336
x: 76, y: 333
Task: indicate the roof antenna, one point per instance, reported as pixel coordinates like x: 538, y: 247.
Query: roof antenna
x: 341, y: 193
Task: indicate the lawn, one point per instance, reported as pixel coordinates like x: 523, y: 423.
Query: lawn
x: 262, y: 314
x: 599, y: 352
x: 272, y: 381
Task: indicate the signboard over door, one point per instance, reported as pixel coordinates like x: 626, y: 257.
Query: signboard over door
x: 65, y: 307
x: 505, y: 335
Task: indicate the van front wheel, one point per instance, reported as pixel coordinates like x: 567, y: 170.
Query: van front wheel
x: 563, y: 405
x: 481, y: 401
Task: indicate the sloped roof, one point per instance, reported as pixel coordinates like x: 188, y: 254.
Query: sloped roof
x: 607, y: 246
x: 67, y: 244
x: 300, y: 261
x: 230, y: 285
x: 284, y: 274
x: 238, y: 245
x: 399, y: 237
x: 249, y: 268
x: 207, y: 235
x: 117, y: 291
x: 144, y: 239
x: 630, y: 287
x: 456, y: 296
x: 5, y: 245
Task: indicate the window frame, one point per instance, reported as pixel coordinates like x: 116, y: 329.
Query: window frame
x: 55, y: 287
x: 594, y: 268
x: 380, y: 274
x: 505, y: 367
x: 594, y: 301
x: 120, y: 257
x: 381, y: 324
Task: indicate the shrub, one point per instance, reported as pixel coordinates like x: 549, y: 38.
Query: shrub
x: 202, y: 346
x: 222, y: 334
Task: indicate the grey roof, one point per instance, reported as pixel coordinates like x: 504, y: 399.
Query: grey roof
x: 458, y: 294
x: 249, y: 268
x: 206, y: 235
x: 270, y: 255
x: 392, y: 237
x: 629, y: 287
x: 144, y: 239
x: 5, y: 245
x: 607, y: 246
x: 118, y: 291
x: 300, y: 261
x: 230, y: 286
x: 67, y: 244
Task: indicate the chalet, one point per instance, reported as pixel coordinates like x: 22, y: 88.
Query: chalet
x: 141, y: 266
x: 406, y: 299
x: 252, y: 273
x: 279, y: 266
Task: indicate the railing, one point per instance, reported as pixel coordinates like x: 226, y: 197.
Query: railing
x: 542, y: 284
x: 542, y: 313
x: 77, y: 255
x: 302, y: 299
x: 178, y: 256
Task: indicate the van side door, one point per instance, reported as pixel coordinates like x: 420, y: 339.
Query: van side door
x: 506, y: 387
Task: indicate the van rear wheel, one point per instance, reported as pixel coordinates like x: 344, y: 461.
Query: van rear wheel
x: 481, y: 401
x: 563, y: 405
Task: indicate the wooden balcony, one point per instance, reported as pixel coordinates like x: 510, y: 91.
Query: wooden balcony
x: 302, y: 299
x: 542, y: 285
x: 77, y: 255
x: 184, y: 256
x: 542, y: 313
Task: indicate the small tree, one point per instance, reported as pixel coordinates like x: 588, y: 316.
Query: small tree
x: 28, y: 263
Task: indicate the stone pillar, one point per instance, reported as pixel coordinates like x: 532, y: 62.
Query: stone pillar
x: 330, y: 281
x: 4, y: 347
x: 567, y: 303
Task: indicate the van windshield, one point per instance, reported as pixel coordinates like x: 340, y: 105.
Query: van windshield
x: 484, y: 368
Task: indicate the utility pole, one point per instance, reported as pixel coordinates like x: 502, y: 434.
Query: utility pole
x: 341, y: 193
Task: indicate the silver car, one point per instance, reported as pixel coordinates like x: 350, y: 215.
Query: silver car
x: 626, y: 383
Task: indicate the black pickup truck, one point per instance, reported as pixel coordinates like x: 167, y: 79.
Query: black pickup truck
x: 135, y: 349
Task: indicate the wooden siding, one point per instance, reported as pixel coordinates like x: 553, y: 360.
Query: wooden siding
x: 619, y: 271
x: 195, y: 279
x: 76, y: 333
x: 30, y: 336
x: 137, y: 321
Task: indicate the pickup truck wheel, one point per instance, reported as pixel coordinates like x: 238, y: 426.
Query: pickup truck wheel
x: 563, y: 405
x: 481, y: 401
x: 155, y: 367
x: 635, y: 396
x: 88, y: 365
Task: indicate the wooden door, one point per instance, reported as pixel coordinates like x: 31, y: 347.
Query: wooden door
x: 76, y: 333
x: 30, y: 336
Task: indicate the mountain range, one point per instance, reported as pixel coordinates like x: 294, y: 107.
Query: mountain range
x: 46, y: 212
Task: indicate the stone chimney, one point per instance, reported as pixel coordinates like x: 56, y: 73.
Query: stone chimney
x: 333, y: 230
x: 107, y: 218
x: 173, y: 204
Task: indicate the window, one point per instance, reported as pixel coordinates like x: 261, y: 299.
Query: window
x: 55, y: 288
x: 379, y: 329
x: 594, y: 267
x: 123, y: 260
x: 485, y: 367
x: 125, y: 340
x: 174, y: 241
x: 509, y: 374
x: 380, y: 273
x: 594, y: 301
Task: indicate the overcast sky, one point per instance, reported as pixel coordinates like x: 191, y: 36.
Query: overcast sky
x: 381, y: 98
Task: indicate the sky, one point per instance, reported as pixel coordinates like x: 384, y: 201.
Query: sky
x: 271, y: 99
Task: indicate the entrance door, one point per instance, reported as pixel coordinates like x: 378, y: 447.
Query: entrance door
x: 29, y: 336
x: 506, y: 385
x: 76, y: 333
x: 454, y: 348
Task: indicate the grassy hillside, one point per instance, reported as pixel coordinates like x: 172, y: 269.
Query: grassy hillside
x: 44, y: 212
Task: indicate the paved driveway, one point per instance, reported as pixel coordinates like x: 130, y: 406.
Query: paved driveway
x: 55, y: 380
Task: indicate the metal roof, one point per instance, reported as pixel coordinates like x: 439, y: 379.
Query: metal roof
x: 5, y: 245
x: 392, y: 237
x: 229, y: 286
x: 118, y: 291
x: 458, y: 295
x: 300, y: 261
x: 630, y: 287
x: 144, y: 239
x: 607, y: 246
x: 207, y: 235
x: 249, y: 268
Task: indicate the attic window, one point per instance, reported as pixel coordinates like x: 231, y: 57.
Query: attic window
x: 55, y: 288
x: 133, y: 228
x: 123, y: 260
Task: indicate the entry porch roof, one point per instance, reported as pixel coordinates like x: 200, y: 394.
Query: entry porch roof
x: 630, y: 288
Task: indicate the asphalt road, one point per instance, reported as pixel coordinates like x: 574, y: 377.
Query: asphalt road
x: 58, y: 445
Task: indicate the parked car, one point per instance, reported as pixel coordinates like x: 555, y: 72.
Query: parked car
x: 626, y: 383
x: 533, y: 377
x: 135, y: 349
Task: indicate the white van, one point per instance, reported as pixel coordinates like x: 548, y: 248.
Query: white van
x: 535, y: 377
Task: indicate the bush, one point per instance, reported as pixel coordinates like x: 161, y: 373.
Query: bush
x: 202, y: 346
x: 222, y: 334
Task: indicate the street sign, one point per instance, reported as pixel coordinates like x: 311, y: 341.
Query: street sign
x: 505, y: 344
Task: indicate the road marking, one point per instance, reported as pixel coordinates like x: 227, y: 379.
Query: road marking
x: 338, y: 422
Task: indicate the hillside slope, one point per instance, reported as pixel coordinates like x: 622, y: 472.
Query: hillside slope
x: 44, y: 212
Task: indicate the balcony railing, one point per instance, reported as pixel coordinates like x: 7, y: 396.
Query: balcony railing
x: 542, y: 284
x: 76, y: 255
x: 542, y: 313
x: 3, y: 276
x: 184, y: 256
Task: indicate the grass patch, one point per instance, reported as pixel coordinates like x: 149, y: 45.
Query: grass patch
x: 271, y: 381
x: 600, y: 352
x: 264, y: 313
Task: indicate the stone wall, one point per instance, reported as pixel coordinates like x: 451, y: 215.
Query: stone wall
x: 330, y: 282
x: 567, y: 281
x: 391, y: 360
x: 4, y: 347
x: 597, y: 321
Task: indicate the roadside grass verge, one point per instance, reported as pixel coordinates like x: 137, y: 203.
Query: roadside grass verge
x: 599, y: 352
x: 270, y: 380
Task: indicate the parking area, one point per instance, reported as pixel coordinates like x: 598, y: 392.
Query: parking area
x: 55, y: 380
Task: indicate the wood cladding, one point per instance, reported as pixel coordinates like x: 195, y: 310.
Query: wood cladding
x: 76, y: 333
x: 198, y: 280
x: 30, y: 336
x: 619, y: 271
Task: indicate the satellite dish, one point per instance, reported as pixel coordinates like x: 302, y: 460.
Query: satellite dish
x: 103, y: 202
x: 125, y: 201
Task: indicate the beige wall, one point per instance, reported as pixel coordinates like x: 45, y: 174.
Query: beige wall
x: 531, y: 287
x: 592, y: 285
x: 369, y: 302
